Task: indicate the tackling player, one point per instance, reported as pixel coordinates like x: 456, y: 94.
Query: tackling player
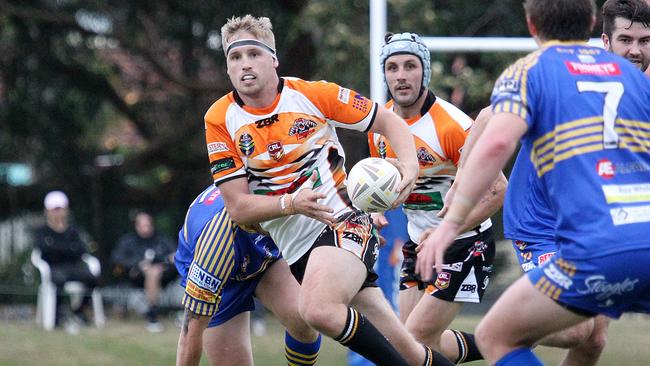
x: 222, y: 267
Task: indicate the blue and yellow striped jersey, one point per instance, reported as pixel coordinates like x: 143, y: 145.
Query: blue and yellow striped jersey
x: 213, y: 250
x: 588, y: 116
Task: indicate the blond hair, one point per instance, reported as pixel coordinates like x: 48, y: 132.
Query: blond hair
x: 260, y: 28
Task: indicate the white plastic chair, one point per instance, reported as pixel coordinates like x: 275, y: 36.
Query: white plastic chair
x: 46, y: 300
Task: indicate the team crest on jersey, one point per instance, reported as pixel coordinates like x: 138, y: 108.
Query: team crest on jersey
x: 521, y: 244
x: 424, y: 157
x: 381, y: 149
x: 302, y: 128
x: 246, y: 144
x: 275, y: 149
x: 442, y: 280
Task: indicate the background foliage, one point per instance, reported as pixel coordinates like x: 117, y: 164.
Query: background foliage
x: 105, y: 99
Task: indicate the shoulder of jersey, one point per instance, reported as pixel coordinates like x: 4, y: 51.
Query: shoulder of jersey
x: 219, y: 107
x: 389, y: 104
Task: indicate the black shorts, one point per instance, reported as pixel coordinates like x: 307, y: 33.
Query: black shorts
x: 466, y: 270
x: 355, y: 233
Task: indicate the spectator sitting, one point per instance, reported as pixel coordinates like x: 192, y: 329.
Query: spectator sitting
x: 62, y: 248
x: 145, y: 258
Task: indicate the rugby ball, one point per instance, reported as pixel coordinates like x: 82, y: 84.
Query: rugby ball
x: 372, y: 184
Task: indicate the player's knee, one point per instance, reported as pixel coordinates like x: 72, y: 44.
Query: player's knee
x: 424, y: 333
x: 578, y: 334
x: 482, y: 337
x: 317, y: 316
x: 597, y: 341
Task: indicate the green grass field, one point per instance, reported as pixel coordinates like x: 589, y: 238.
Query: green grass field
x: 127, y: 343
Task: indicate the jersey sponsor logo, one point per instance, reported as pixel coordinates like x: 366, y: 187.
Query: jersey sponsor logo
x: 217, y: 147
x: 442, y: 280
x: 555, y: 274
x: 222, y: 164
x: 246, y: 144
x: 200, y: 294
x: 626, y: 193
x: 527, y: 266
x: 630, y: 215
x: 506, y: 86
x: 381, y: 149
x: 598, y: 285
x: 456, y: 267
x: 360, y: 102
x: 275, y: 149
x: 344, y: 95
x: 302, y: 128
x: 202, y: 278
x: 582, y: 68
x: 588, y: 59
x: 544, y: 258
x: 429, y: 201
x: 212, y: 197
x: 526, y: 255
x: 478, y: 249
x: 266, y: 122
x: 468, y: 288
x: 424, y: 157
x: 605, y: 169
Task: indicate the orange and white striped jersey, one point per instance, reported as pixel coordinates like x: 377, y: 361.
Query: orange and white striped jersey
x: 278, y: 147
x: 439, y: 133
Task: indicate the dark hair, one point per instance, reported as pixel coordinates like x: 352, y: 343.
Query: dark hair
x: 632, y: 10
x: 562, y: 20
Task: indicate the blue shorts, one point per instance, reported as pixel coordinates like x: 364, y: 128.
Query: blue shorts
x: 253, y: 255
x: 609, y: 285
x: 533, y: 254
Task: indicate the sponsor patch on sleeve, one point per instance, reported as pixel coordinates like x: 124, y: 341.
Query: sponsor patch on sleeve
x: 217, y: 147
x: 200, y: 294
x: 344, y: 95
x: 221, y: 165
x: 203, y: 279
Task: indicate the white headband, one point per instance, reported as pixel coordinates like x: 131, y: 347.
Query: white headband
x: 251, y: 42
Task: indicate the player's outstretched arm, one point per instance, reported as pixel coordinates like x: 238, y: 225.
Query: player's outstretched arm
x: 190, y: 341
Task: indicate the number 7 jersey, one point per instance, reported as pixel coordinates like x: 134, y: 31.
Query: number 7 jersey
x: 588, y: 117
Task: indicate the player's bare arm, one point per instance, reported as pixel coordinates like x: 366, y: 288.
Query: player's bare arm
x: 246, y: 208
x: 490, y: 203
x: 396, y: 131
x: 190, y: 342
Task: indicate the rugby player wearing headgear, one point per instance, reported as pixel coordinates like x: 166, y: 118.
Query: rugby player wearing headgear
x: 439, y: 130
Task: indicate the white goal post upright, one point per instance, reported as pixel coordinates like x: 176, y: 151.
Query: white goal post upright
x: 378, y: 20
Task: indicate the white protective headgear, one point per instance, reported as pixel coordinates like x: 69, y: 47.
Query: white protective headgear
x: 406, y: 43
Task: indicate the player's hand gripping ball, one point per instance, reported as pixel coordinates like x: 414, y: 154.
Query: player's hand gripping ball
x: 372, y: 184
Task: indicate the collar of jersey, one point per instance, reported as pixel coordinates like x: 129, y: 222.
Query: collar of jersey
x: 563, y: 43
x: 262, y: 110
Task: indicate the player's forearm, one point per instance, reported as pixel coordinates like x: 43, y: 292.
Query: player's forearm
x: 488, y: 205
x: 248, y: 209
x: 190, y: 342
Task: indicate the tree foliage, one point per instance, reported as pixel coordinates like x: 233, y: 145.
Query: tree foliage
x: 105, y: 99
